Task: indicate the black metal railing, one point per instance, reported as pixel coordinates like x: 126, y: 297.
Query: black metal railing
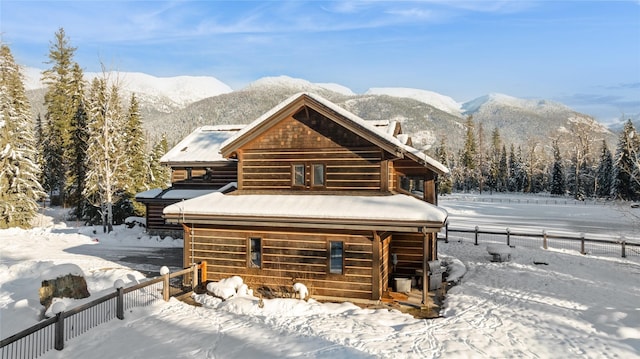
x: 53, y: 332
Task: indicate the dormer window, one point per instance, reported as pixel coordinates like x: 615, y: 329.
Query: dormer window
x: 318, y: 178
x: 298, y: 176
x: 304, y: 175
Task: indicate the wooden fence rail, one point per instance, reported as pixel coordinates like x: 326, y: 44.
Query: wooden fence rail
x: 619, y: 246
x: 53, y: 332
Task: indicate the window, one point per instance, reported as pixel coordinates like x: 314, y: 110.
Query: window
x: 255, y: 252
x: 298, y: 175
x: 318, y: 175
x: 336, y: 257
x: 301, y: 172
x: 412, y: 184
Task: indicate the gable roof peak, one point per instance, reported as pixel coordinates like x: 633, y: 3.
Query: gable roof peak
x: 348, y: 119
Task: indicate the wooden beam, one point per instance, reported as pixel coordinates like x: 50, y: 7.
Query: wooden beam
x: 240, y: 180
x: 376, y: 292
x: 425, y: 267
x: 384, y: 176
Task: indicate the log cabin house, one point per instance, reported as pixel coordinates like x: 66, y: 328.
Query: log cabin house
x: 324, y: 198
x: 197, y: 168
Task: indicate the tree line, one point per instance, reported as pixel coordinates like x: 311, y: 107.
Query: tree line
x: 569, y: 163
x: 87, y: 152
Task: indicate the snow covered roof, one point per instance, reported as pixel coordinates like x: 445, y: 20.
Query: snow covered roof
x: 312, y: 210
x: 384, y: 137
x: 201, y: 146
x: 152, y: 193
x: 183, y: 193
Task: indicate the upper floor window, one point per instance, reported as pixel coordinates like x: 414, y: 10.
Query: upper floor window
x: 318, y: 175
x: 299, y: 178
x: 308, y: 175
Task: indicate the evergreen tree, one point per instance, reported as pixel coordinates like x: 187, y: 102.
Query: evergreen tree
x: 444, y: 185
x: 604, y: 178
x: 588, y: 175
x: 106, y: 159
x: 517, y: 174
x: 626, y: 183
x: 76, y: 176
x: 503, y: 171
x: 494, y: 161
x: 468, y: 157
x: 62, y: 104
x: 40, y: 145
x: 482, y: 164
x: 573, y: 183
x: 19, y: 186
x: 557, y: 175
x: 160, y: 175
x: 138, y: 167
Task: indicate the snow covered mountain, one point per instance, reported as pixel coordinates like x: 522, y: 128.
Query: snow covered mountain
x: 161, y: 94
x: 530, y: 120
x: 290, y: 83
x: 176, y: 105
x: 441, y: 102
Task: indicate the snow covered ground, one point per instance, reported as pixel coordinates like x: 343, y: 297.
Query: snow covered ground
x: 532, y: 214
x: 573, y: 306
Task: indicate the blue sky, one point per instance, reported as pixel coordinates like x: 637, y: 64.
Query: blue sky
x: 585, y: 54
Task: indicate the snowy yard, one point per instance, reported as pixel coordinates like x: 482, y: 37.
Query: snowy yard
x: 572, y: 306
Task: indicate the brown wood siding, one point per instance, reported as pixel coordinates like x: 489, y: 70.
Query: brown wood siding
x: 214, y: 176
x: 178, y: 175
x: 154, y: 216
x: 345, y: 169
x: 287, y: 257
x: 307, y: 129
x: 307, y: 137
x: 409, y: 248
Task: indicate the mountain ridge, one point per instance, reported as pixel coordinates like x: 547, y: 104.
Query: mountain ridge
x: 177, y: 105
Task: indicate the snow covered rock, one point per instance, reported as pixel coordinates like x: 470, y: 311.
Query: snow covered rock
x: 67, y: 282
x: 227, y: 287
x: 500, y: 253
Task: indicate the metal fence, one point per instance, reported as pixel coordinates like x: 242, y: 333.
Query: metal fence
x: 53, y: 332
x: 603, y: 247
x: 527, y: 200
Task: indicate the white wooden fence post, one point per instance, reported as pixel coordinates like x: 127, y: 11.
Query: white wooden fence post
x: 194, y: 280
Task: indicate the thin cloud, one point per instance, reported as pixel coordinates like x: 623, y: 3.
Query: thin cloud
x: 625, y: 86
x: 599, y: 99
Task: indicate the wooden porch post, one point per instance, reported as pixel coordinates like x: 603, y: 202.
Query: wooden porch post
x: 375, y: 268
x: 425, y: 265
x: 186, y: 245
